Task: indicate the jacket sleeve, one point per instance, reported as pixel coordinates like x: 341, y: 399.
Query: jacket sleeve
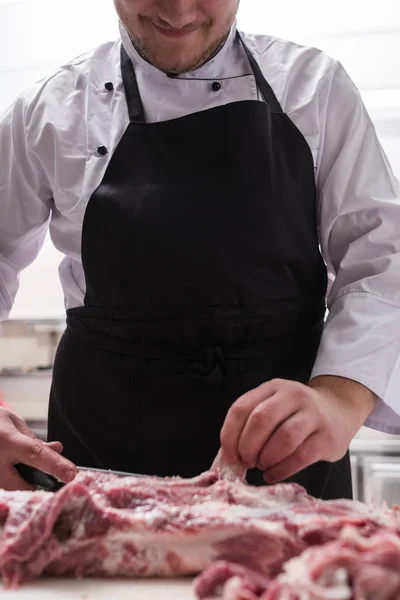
x: 359, y: 223
x: 25, y: 202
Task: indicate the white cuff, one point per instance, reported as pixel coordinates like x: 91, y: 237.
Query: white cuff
x: 361, y: 341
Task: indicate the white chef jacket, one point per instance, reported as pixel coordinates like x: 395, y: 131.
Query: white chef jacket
x: 49, y: 167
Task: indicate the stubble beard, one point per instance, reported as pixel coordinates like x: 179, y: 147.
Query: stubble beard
x: 172, y: 66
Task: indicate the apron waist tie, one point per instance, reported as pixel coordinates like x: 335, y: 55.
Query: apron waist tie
x: 208, y: 364
x: 209, y: 367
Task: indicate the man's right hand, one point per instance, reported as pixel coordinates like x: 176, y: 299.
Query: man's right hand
x: 18, y: 444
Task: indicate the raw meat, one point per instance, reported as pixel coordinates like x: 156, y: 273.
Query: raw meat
x: 224, y: 580
x: 225, y: 471
x: 103, y: 525
x: 350, y: 568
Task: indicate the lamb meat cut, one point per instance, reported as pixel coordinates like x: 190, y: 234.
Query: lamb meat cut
x: 104, y: 525
x: 350, y: 568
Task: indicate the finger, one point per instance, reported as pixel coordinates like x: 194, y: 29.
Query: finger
x: 35, y: 453
x: 262, y: 422
x: 304, y: 456
x: 285, y: 440
x: 11, y: 480
x: 237, y: 416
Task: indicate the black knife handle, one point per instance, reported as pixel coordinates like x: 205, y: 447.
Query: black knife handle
x: 38, y: 478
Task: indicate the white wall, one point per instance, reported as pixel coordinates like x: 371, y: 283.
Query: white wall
x: 38, y: 35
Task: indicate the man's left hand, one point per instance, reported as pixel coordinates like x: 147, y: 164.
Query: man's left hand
x: 284, y: 426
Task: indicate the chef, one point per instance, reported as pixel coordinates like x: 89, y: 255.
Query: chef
x: 204, y: 186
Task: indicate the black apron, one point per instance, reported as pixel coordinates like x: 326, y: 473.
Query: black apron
x: 204, y: 279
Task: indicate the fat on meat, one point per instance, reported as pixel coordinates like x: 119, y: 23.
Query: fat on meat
x: 106, y: 526
x: 103, y: 525
x: 234, y: 472
x: 350, y: 568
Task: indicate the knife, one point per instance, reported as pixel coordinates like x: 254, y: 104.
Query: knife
x: 48, y: 483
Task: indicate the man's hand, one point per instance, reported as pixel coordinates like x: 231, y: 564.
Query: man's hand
x: 18, y: 444
x: 283, y: 426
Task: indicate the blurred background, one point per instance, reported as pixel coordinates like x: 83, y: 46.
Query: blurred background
x: 36, y: 36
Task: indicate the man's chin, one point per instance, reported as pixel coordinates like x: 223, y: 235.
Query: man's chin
x: 174, y: 67
x: 179, y: 60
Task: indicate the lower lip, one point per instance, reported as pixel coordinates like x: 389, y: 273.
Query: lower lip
x: 174, y: 33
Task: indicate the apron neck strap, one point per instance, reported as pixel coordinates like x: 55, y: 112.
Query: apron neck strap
x: 262, y: 83
x: 134, y: 101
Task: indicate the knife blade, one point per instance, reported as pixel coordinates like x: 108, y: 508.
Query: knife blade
x: 112, y: 472
x: 48, y: 483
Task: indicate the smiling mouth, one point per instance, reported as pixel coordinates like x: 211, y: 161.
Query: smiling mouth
x: 175, y: 33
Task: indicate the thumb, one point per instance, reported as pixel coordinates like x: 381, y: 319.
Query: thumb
x: 56, y: 446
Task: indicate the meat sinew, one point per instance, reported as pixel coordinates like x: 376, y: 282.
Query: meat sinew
x: 103, y: 525
x: 350, y: 568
